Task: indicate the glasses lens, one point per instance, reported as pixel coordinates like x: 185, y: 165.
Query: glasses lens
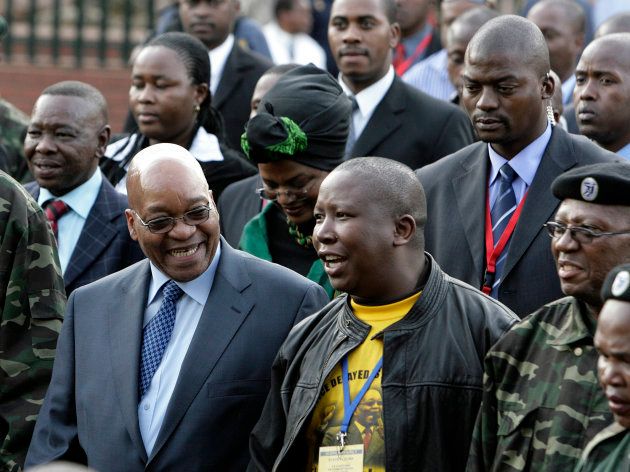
x: 161, y: 225
x: 196, y: 216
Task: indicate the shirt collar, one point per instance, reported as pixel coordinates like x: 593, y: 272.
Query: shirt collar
x: 218, y: 58
x: 369, y: 98
x: 80, y: 199
x: 575, y: 327
x: 205, y: 146
x: 526, y: 162
x: 198, y: 289
x: 624, y: 151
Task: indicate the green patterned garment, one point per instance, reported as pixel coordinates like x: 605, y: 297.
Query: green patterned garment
x: 609, y: 451
x: 542, y: 403
x: 32, y: 302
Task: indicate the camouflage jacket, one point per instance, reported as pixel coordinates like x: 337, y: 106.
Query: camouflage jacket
x: 609, y: 451
x: 32, y: 301
x: 542, y: 402
x: 13, y: 124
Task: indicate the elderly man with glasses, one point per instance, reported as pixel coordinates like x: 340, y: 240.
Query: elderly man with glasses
x: 166, y: 364
x: 542, y: 402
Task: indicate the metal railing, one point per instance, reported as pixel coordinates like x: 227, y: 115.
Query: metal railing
x: 72, y: 31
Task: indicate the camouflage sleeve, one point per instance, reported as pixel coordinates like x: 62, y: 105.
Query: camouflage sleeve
x: 32, y: 299
x: 484, y: 441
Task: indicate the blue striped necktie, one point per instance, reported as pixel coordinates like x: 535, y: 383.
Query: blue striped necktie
x: 502, y: 211
x: 157, y: 333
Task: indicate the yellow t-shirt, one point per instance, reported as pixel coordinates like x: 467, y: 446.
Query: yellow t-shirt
x: 366, y: 424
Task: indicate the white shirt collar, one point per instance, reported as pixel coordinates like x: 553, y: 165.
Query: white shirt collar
x: 198, y: 289
x: 205, y: 146
x: 624, y: 151
x: 218, y: 58
x: 526, y: 162
x: 369, y: 98
x: 81, y: 199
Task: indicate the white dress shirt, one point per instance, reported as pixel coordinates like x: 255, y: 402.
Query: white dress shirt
x: 69, y: 226
x: 431, y: 76
x: 218, y: 58
x: 368, y: 99
x: 152, y: 407
x: 305, y: 49
x: 525, y: 164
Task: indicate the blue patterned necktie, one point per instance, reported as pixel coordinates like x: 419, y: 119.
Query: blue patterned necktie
x: 352, y: 138
x: 157, y: 333
x: 502, y: 211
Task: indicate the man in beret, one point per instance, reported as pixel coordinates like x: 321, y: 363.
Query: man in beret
x: 610, y: 449
x: 296, y: 138
x: 387, y: 376
x: 488, y: 202
x: 542, y: 402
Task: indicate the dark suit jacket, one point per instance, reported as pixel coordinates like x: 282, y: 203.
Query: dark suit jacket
x: 411, y: 127
x: 237, y: 205
x: 234, y: 93
x: 91, y: 405
x: 104, y: 245
x: 456, y: 197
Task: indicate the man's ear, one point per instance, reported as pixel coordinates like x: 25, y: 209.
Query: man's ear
x: 130, y: 216
x: 548, y: 86
x: 404, y: 230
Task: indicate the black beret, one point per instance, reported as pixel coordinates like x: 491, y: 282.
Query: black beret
x: 604, y: 184
x: 617, y: 284
x: 305, y: 117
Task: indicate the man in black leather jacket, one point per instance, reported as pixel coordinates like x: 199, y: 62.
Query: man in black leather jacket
x: 406, y: 342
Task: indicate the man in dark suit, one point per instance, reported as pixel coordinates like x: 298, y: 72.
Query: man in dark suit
x: 66, y: 137
x: 166, y: 364
x: 234, y: 70
x: 391, y: 119
x: 506, y: 87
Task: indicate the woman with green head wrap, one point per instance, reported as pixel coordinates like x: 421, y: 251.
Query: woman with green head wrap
x: 297, y: 137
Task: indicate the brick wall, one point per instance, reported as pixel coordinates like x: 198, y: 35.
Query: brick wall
x: 22, y: 84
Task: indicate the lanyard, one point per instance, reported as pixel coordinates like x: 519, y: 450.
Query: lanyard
x: 401, y: 64
x: 493, y: 252
x: 349, y: 406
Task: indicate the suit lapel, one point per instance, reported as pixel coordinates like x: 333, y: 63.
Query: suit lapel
x: 540, y: 204
x: 223, y: 314
x: 125, y: 313
x: 470, y: 187
x: 96, y: 235
x: 384, y: 121
x: 230, y: 77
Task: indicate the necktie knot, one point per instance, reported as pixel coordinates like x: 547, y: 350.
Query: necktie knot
x: 171, y: 291
x: 507, y: 173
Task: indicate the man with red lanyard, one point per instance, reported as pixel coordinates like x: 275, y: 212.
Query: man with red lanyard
x: 387, y: 376
x: 419, y: 39
x: 390, y: 118
x: 489, y: 201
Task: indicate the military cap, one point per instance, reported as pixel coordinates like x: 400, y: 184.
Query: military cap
x: 617, y: 284
x: 604, y: 184
x: 305, y: 117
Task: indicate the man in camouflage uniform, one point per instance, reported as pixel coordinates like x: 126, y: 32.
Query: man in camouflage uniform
x: 13, y: 123
x: 541, y: 401
x: 610, y: 449
x: 32, y: 302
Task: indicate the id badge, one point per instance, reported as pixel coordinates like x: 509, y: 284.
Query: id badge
x: 349, y: 459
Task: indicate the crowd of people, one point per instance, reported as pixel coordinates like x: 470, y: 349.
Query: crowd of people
x: 404, y: 247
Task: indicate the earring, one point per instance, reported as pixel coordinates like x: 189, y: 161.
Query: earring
x: 550, y: 116
x: 197, y: 108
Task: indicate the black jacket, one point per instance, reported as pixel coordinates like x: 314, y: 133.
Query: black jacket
x: 432, y: 377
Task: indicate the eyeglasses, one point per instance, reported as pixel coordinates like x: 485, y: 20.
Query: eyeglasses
x: 578, y: 233
x: 292, y: 192
x: 164, y: 224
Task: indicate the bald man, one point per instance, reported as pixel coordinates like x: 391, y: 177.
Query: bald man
x: 619, y: 23
x: 563, y: 24
x: 165, y: 365
x: 506, y: 88
x: 602, y: 93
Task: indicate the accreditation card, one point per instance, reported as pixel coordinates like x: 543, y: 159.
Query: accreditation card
x: 349, y: 459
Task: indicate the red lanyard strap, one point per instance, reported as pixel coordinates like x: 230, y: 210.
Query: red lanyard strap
x: 493, y: 252
x: 401, y: 64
